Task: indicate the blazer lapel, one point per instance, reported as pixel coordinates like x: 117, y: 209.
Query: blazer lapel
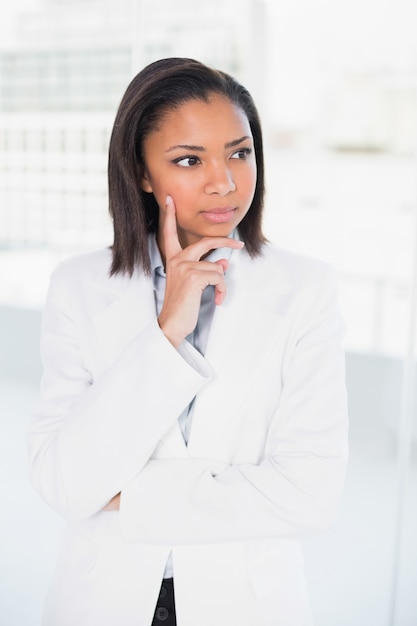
x: 129, y: 308
x: 243, y: 329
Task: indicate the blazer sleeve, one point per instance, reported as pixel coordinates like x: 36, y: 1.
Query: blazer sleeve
x: 295, y: 490
x: 89, y: 438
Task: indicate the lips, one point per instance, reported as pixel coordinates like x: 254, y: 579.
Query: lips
x: 219, y: 215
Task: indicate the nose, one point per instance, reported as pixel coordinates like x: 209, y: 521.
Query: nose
x: 219, y: 180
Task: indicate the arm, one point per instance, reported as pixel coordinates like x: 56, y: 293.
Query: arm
x: 294, y: 491
x: 89, y: 437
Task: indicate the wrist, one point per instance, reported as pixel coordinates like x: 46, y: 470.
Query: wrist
x: 170, y: 333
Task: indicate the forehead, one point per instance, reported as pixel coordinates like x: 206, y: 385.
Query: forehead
x: 200, y: 117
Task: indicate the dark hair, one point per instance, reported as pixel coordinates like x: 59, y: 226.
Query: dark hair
x: 157, y: 89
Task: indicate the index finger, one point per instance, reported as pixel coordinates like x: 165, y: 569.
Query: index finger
x: 206, y: 244
x: 169, y: 231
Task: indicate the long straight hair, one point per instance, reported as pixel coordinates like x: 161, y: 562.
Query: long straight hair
x: 160, y: 87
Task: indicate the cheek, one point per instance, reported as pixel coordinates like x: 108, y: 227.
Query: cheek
x: 180, y: 191
x: 183, y: 193
x: 160, y: 191
x: 248, y: 183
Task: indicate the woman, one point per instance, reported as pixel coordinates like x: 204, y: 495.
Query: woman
x: 192, y: 422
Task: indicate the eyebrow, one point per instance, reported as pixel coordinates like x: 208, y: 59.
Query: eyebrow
x: 229, y: 144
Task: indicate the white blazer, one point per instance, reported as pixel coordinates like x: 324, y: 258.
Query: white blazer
x: 265, y: 462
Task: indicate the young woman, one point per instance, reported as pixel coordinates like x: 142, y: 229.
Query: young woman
x: 192, y: 421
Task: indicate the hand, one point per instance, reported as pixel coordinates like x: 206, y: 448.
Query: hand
x: 187, y: 277
x: 114, y: 504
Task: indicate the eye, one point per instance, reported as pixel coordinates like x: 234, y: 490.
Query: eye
x: 187, y: 161
x: 242, y: 153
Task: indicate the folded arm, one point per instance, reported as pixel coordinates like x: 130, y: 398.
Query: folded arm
x: 89, y: 438
x: 293, y: 492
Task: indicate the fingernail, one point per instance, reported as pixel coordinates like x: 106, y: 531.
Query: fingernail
x: 168, y: 200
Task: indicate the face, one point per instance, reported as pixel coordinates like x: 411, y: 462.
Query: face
x: 202, y: 155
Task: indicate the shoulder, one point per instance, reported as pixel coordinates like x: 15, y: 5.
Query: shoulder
x: 82, y: 284
x: 292, y: 268
x: 291, y: 283
x: 83, y: 277
x: 84, y: 267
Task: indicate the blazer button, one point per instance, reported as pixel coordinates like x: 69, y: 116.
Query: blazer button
x: 161, y: 614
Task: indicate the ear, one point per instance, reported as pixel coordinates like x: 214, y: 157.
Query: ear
x: 145, y: 183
